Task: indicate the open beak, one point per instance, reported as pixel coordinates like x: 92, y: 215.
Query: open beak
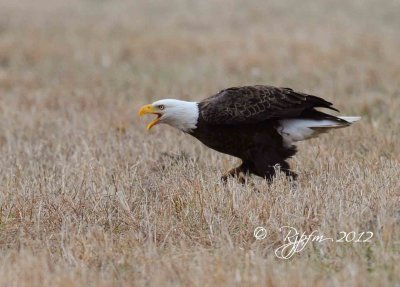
x: 149, y: 109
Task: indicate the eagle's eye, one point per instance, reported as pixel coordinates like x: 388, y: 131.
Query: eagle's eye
x: 161, y: 107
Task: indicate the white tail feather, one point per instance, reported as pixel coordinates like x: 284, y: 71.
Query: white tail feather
x: 293, y: 130
x: 350, y: 119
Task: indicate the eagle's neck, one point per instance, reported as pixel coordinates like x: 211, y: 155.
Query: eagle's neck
x: 184, y: 116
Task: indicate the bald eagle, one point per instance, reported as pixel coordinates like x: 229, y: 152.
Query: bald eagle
x: 258, y: 124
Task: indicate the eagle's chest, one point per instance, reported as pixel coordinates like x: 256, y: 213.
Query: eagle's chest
x: 222, y: 139
x: 236, y: 140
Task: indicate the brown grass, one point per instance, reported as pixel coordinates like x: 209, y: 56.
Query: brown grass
x: 89, y: 198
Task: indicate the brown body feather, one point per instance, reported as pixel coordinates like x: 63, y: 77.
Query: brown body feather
x: 243, y: 122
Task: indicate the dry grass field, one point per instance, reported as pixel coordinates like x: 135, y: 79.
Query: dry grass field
x: 88, y: 197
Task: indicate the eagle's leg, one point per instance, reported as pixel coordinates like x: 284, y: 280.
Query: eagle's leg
x: 238, y: 172
x: 284, y: 167
x: 267, y: 168
x: 269, y: 172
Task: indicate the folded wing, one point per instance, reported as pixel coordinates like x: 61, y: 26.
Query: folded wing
x: 253, y: 104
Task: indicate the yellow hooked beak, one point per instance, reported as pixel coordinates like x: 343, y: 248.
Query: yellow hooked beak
x: 149, y: 109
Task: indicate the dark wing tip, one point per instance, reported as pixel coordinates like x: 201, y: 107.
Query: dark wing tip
x: 321, y: 103
x: 332, y: 108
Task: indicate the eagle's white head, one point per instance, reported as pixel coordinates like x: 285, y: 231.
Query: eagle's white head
x: 179, y: 114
